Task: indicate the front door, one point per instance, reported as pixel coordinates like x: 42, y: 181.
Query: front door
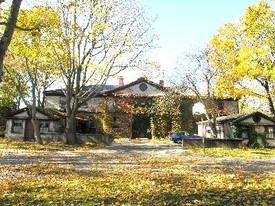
x: 29, y: 131
x: 141, y: 127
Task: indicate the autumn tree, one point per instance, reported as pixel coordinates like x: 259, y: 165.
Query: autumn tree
x: 29, y: 61
x: 243, y: 53
x: 195, y: 76
x: 8, y: 97
x: 96, y: 40
x: 9, y: 22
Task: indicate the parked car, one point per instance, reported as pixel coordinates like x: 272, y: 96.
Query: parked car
x: 177, y: 137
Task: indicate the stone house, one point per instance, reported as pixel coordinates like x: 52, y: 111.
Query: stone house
x: 19, y: 125
x: 112, y: 112
x: 238, y: 126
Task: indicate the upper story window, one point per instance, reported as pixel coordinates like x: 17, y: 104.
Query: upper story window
x: 17, y: 126
x: 144, y: 102
x: 62, y: 102
x: 220, y: 105
x: 115, y: 122
x: 44, y: 126
x: 143, y: 87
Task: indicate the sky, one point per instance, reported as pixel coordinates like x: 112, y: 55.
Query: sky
x: 182, y: 25
x: 185, y: 24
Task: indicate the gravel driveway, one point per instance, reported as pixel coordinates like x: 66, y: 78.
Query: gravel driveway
x: 125, y: 154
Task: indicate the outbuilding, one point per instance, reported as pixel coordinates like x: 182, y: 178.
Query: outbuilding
x: 241, y: 126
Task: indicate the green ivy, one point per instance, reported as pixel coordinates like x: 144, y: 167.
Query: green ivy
x: 253, y: 136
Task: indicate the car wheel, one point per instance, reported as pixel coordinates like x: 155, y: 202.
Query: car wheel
x: 179, y: 141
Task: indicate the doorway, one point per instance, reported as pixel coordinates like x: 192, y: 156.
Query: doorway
x: 141, y: 127
x: 29, y: 132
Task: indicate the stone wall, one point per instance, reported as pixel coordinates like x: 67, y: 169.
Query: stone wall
x: 198, y: 142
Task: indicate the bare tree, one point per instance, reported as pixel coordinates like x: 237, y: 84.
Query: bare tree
x: 195, y: 74
x: 96, y: 40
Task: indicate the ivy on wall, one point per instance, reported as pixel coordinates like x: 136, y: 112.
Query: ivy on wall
x: 255, y: 139
x: 163, y: 111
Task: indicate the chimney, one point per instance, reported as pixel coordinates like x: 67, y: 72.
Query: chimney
x: 120, y: 81
x: 161, y: 83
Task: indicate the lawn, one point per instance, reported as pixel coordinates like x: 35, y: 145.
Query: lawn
x: 82, y: 177
x: 262, y: 153
x: 10, y: 144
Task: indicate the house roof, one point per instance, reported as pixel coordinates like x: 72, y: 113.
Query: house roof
x: 240, y: 118
x: 46, y: 112
x: 60, y: 92
x: 230, y: 117
x: 237, y: 118
x: 253, y: 114
x: 116, y: 90
x: 53, y: 114
x: 138, y: 81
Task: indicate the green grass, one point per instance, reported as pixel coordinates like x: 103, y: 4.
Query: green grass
x: 245, y: 152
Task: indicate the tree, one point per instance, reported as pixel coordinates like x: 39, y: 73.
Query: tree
x: 243, y: 53
x: 95, y: 40
x: 29, y: 62
x: 8, y: 95
x: 195, y: 75
x: 8, y: 31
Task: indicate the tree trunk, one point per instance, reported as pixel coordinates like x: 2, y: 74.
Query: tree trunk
x: 265, y: 84
x: 213, y: 126
x: 7, y: 36
x: 36, y: 125
x: 271, y: 105
x: 269, y: 99
x: 71, y: 129
x: 36, y: 129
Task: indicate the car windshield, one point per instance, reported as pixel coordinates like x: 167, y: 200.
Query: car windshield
x: 182, y: 133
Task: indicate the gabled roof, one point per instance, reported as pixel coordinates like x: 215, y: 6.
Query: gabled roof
x: 60, y: 92
x: 237, y: 118
x: 230, y: 117
x: 253, y: 114
x: 45, y: 112
x: 138, y: 81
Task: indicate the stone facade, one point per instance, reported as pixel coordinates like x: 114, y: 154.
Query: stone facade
x: 110, y: 113
x: 228, y: 125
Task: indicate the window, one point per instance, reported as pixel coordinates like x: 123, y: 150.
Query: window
x: 17, y: 126
x: 44, y: 126
x: 220, y: 106
x: 62, y: 102
x: 269, y: 130
x: 117, y: 102
x: 115, y: 122
x: 143, y: 87
x: 92, y: 126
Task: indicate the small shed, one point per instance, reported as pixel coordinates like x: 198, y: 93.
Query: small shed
x: 228, y: 126
x: 20, y: 127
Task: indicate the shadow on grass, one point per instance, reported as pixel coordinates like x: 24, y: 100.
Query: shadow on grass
x: 206, y: 197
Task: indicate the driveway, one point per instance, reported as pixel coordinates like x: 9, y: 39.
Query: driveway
x: 128, y: 153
